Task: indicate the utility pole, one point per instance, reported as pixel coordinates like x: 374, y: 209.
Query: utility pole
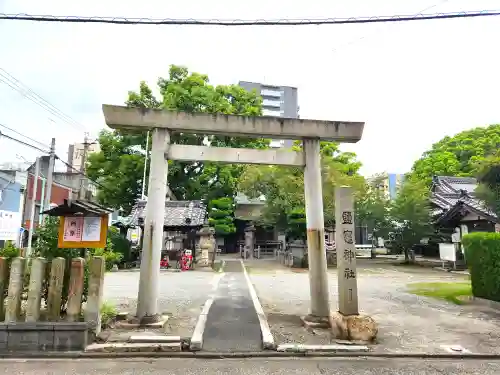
x: 50, y: 174
x: 83, y: 178
x: 33, y: 206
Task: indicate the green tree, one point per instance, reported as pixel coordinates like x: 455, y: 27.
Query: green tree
x: 221, y: 216
x: 119, y: 165
x: 458, y: 155
x: 373, y: 208
x: 488, y: 174
x: 410, y: 215
x: 296, y: 228
x: 283, y: 187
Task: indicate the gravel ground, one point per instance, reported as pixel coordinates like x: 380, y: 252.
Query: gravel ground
x: 182, y: 296
x: 407, y: 323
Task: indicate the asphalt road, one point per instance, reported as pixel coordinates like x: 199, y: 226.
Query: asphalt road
x: 285, y: 366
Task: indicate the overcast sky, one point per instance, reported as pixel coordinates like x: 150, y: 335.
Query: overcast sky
x: 412, y: 83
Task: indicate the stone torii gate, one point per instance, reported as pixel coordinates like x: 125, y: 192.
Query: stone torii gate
x: 163, y: 123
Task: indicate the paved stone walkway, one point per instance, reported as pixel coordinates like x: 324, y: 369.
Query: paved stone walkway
x: 232, y: 323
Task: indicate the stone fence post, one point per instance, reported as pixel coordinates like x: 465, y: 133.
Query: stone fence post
x: 37, y: 275
x: 75, y: 292
x: 94, y: 299
x: 16, y: 281
x: 55, y: 289
x: 4, y: 274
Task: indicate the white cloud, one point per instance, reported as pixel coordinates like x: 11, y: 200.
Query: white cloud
x: 412, y: 83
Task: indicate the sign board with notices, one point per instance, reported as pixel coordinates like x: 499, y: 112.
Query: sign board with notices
x: 83, y: 231
x: 447, y: 252
x: 10, y: 222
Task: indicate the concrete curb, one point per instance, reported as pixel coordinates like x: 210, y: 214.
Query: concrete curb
x: 196, y: 342
x: 267, y: 336
x: 332, y: 348
x: 214, y: 355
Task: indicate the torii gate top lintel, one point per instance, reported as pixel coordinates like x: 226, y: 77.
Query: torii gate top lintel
x: 251, y: 126
x: 165, y: 122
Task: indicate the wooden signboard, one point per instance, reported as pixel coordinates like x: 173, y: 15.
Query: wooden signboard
x: 83, y: 232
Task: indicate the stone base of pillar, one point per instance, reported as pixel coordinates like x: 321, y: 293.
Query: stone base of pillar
x: 315, y: 322
x: 204, y: 260
x: 152, y: 321
x: 353, y: 327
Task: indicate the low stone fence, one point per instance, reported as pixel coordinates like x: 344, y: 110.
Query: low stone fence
x: 26, y: 326
x: 296, y: 256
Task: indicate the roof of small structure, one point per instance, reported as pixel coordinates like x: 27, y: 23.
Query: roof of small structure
x: 177, y: 214
x: 451, y: 194
x: 78, y: 207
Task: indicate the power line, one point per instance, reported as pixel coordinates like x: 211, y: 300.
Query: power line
x: 239, y: 22
x: 22, y: 135
x: 28, y: 93
x: 47, y: 152
x: 80, y: 172
x: 22, y: 142
x: 376, y: 31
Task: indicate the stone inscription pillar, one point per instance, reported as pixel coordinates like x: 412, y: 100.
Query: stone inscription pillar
x: 346, y: 251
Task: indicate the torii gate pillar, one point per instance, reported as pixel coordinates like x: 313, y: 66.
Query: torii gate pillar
x: 149, y: 283
x: 318, y: 281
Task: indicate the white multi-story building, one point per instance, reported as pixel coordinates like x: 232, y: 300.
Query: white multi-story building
x: 278, y: 101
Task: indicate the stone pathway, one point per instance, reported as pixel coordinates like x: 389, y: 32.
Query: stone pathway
x: 232, y: 323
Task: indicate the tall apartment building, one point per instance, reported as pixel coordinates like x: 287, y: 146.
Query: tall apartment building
x: 75, y: 153
x: 279, y: 101
x: 388, y: 183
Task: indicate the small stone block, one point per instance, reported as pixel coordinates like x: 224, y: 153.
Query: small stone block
x: 122, y: 316
x: 315, y: 323
x: 134, y: 323
x: 138, y: 347
x: 154, y: 339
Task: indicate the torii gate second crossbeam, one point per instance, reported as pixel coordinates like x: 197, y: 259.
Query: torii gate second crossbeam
x: 163, y: 123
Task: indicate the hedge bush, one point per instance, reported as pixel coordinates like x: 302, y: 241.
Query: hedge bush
x: 482, y: 254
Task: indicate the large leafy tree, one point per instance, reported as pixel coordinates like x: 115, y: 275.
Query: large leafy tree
x: 410, y: 215
x: 119, y: 165
x: 488, y: 173
x: 458, y: 155
x: 283, y: 187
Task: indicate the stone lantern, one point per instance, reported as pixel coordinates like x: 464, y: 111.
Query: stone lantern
x: 206, y: 244
x: 249, y: 241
